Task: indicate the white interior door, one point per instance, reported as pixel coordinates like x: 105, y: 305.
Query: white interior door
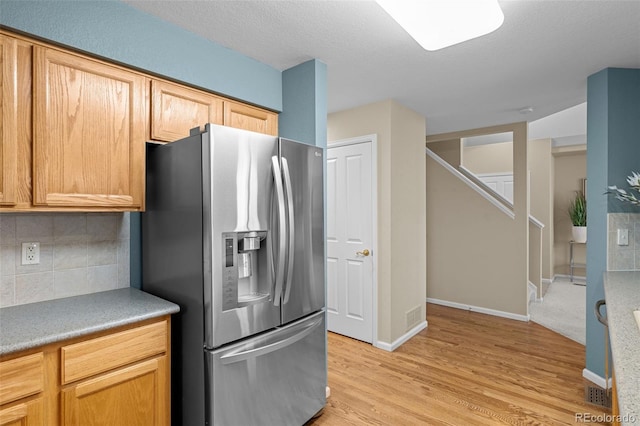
x: 349, y: 241
x: 502, y: 183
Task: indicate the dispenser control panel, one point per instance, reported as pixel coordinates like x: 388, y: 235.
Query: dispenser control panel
x: 229, y: 272
x: 228, y: 252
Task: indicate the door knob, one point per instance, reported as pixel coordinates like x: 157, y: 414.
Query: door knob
x: 364, y: 252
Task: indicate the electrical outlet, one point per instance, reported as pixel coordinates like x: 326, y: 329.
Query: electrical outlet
x: 623, y: 237
x: 31, y: 253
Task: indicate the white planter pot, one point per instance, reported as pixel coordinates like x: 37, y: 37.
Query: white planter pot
x: 579, y: 234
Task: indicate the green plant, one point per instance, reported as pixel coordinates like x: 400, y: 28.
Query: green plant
x: 622, y: 195
x: 578, y: 210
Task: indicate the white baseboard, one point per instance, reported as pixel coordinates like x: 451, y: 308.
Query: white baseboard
x: 575, y: 277
x: 390, y: 347
x: 531, y: 287
x: 547, y: 280
x: 479, y: 309
x: 597, y: 379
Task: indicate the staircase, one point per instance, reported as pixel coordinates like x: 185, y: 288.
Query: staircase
x: 483, y: 252
x: 536, y: 228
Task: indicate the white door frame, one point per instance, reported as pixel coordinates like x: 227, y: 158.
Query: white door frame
x: 373, y: 140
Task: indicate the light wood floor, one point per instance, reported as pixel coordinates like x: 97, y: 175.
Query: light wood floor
x: 464, y: 369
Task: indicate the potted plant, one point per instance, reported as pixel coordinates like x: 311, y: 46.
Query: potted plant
x: 578, y: 215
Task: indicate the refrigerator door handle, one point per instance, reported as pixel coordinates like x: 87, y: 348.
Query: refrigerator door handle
x: 272, y: 347
x: 291, y: 217
x: 277, y: 177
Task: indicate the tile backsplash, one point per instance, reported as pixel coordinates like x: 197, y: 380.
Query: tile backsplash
x: 623, y: 258
x: 79, y: 253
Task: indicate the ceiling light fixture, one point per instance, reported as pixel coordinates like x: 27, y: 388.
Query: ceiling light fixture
x: 436, y: 24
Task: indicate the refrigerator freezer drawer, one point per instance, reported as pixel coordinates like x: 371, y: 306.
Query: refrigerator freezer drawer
x: 277, y: 378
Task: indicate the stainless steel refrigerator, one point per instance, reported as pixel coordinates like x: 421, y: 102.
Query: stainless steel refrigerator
x: 233, y: 232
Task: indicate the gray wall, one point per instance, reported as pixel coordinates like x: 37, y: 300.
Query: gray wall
x: 613, y: 151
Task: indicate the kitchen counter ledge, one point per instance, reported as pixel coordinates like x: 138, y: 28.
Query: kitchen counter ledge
x: 622, y: 293
x: 35, y: 324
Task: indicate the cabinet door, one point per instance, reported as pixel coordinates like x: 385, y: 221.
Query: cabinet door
x: 132, y: 396
x: 175, y: 110
x: 9, y: 120
x: 89, y: 138
x: 29, y: 413
x: 21, y: 384
x: 250, y: 118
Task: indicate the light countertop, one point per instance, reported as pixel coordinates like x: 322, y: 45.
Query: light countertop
x: 35, y: 324
x: 622, y: 293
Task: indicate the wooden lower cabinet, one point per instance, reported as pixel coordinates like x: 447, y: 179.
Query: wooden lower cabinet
x: 118, y: 378
x: 29, y: 413
x: 22, y: 385
x: 130, y: 396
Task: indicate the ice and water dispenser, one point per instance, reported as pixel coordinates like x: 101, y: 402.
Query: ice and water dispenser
x: 245, y: 273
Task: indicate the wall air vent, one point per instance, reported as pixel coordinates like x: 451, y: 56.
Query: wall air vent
x: 597, y: 396
x: 413, y: 317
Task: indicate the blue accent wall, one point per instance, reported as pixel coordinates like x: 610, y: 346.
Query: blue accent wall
x: 624, y: 131
x: 613, y: 151
x: 304, y: 99
x: 118, y: 32
x: 597, y: 164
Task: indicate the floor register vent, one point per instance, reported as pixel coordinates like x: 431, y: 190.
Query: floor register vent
x: 412, y: 317
x: 597, y: 396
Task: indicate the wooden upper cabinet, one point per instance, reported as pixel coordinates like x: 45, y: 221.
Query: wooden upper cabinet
x: 249, y: 118
x: 9, y: 120
x: 73, y: 128
x: 89, y: 133
x: 175, y: 110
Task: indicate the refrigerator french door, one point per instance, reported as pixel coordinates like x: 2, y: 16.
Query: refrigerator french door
x: 233, y: 233
x: 276, y: 378
x: 241, y: 259
x: 304, y: 289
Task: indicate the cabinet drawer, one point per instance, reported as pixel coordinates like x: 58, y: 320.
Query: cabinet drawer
x: 105, y: 353
x: 21, y: 377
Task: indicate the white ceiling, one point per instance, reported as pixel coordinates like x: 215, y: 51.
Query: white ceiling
x: 540, y: 57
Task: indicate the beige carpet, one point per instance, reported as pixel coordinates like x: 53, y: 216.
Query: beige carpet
x: 562, y: 310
